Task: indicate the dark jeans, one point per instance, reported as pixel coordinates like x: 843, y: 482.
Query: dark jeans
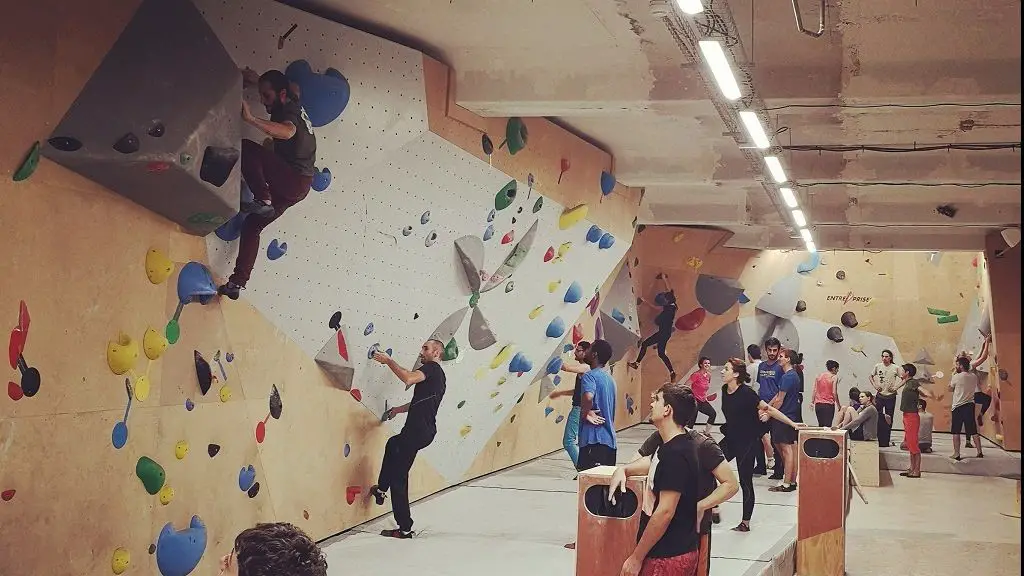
x: 269, y: 177
x: 660, y: 340
x: 594, y: 455
x: 745, y: 453
x: 706, y: 409
x: 885, y: 405
x: 825, y: 413
x: 399, y: 455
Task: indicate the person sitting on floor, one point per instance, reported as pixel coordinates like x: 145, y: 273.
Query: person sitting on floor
x: 864, y: 425
x: 847, y: 414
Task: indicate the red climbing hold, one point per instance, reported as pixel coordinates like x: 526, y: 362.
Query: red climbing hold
x: 357, y: 394
x: 23, y: 318
x: 15, y: 391
x: 351, y: 492
x: 577, y: 334
x: 261, y: 432
x: 508, y: 237
x: 974, y: 262
x: 7, y: 495
x: 342, y: 347
x: 691, y: 320
x: 157, y: 167
x: 550, y: 254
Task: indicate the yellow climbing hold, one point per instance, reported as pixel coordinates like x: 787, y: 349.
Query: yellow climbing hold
x: 120, y: 560
x: 552, y: 286
x: 166, y: 495
x: 536, y: 312
x: 501, y: 380
x: 694, y: 262
x: 502, y: 356
x: 498, y: 407
x: 481, y: 372
x: 562, y: 251
x: 857, y: 348
x: 572, y: 216
x: 153, y: 343
x: 225, y: 393
x: 494, y: 394
x: 180, y: 450
x: 122, y: 354
x: 465, y: 430
x: 158, y: 266
x: 142, y: 388
x: 678, y: 237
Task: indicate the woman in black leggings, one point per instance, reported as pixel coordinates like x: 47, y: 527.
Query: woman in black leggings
x: 664, y: 321
x: 744, y: 412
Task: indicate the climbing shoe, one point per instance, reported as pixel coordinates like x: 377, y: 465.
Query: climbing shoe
x: 230, y: 289
x: 257, y: 208
x: 378, y: 495
x: 396, y: 533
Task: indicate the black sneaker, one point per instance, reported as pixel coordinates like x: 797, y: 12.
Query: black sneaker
x: 230, y: 289
x: 378, y: 495
x: 969, y: 444
x: 775, y: 477
x: 257, y: 208
x: 716, y: 518
x: 396, y: 533
x: 760, y: 471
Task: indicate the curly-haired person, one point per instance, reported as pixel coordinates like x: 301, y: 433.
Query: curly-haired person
x: 274, y: 550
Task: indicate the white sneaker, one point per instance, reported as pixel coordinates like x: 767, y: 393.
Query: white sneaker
x: 771, y: 463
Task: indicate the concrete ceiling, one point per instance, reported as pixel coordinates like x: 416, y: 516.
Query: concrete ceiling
x: 886, y: 73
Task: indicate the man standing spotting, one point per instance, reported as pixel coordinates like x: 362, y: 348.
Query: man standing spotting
x: 886, y: 378
x: 964, y: 384
x: 769, y: 372
x: 597, y: 410
x: 418, y: 432
x: 572, y: 424
x: 279, y: 177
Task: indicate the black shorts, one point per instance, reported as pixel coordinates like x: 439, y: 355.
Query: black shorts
x: 963, y: 419
x: 783, y: 433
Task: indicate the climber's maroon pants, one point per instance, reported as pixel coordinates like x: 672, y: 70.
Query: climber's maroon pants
x: 269, y: 177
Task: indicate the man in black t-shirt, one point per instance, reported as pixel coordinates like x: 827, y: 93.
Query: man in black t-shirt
x: 418, y: 432
x: 279, y: 177
x: 682, y: 473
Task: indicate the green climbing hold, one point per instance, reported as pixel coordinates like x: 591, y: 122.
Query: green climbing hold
x: 938, y: 312
x: 172, y: 332
x: 506, y: 196
x: 538, y: 204
x: 516, y: 135
x: 29, y: 164
x: 461, y: 404
x: 474, y: 299
x: 451, y: 351
x: 184, y: 159
x: 151, y: 474
x: 948, y: 319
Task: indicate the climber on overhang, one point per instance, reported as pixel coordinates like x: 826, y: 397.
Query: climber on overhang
x: 664, y: 320
x: 279, y: 176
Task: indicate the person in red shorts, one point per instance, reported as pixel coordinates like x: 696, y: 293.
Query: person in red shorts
x: 912, y: 393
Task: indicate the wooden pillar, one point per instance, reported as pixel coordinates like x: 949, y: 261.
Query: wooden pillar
x: 603, y: 542
x: 1004, y: 279
x: 822, y: 503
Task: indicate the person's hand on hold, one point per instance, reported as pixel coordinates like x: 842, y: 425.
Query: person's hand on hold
x: 249, y: 77
x: 381, y: 357
x: 617, y: 484
x: 246, y: 112
x: 594, y: 418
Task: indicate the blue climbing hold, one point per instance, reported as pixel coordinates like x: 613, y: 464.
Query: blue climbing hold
x: 520, y: 364
x: 607, y: 183
x: 488, y: 233
x: 567, y: 348
x: 178, y: 552
x: 812, y: 262
x: 490, y: 215
x: 574, y: 294
x: 618, y: 316
x: 232, y: 229
x: 348, y: 450
x: 373, y: 350
x: 594, y: 233
x: 195, y: 283
x: 246, y: 478
x: 323, y: 96
x: 548, y: 411
x: 557, y: 380
x: 559, y: 418
x: 276, y: 249
x: 321, y: 179
x: 554, y: 366
x: 606, y: 241
x: 556, y: 328
x: 368, y: 330
x: 742, y: 298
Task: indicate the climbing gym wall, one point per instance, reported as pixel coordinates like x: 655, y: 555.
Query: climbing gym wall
x: 843, y: 306
x: 146, y: 423
x: 1004, y: 275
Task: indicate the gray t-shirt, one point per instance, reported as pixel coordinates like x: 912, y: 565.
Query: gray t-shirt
x: 963, y: 385
x: 867, y: 421
x: 924, y: 435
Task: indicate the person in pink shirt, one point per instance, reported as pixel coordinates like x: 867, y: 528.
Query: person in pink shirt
x: 826, y: 394
x: 699, y: 383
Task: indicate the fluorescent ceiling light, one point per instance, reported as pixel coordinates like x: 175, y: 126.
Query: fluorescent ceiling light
x: 798, y: 217
x: 720, y: 68
x: 775, y: 167
x: 788, y: 197
x: 811, y: 247
x: 754, y: 128
x: 690, y: 6
x: 806, y: 235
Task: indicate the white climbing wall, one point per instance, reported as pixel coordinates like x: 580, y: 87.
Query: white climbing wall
x: 347, y: 251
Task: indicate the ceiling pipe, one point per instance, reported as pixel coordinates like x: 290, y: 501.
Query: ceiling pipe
x: 800, y: 19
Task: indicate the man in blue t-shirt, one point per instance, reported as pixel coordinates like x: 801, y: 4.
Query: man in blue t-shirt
x: 769, y: 372
x: 597, y: 410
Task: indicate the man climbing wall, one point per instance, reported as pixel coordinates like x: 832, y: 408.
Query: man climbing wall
x: 278, y: 177
x: 418, y: 432
x: 664, y: 321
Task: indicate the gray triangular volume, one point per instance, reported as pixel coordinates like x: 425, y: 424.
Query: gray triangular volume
x: 985, y: 325
x: 924, y: 358
x: 480, y: 335
x: 513, y: 260
x: 618, y: 336
x: 781, y: 299
x: 337, y: 367
x: 447, y: 328
x: 471, y: 253
x: 925, y: 375
x: 547, y: 386
x: 717, y: 295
